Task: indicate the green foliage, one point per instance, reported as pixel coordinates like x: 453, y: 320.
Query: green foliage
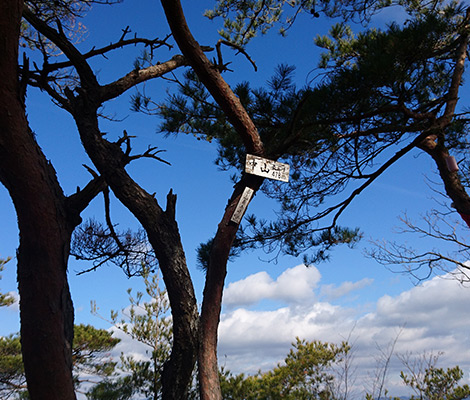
x: 204, y: 250
x: 90, y: 354
x: 100, y: 244
x: 12, y: 379
x: 243, y: 20
x: 437, y: 384
x: 191, y: 111
x: 381, y: 88
x: 5, y: 299
x: 305, y: 374
x: 284, y: 123
x: 118, y: 389
x: 90, y: 351
x: 249, y: 17
x: 146, y: 320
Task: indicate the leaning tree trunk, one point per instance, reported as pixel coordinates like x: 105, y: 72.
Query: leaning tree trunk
x: 45, y: 305
x: 160, y: 225
x: 217, y: 268
x: 212, y: 301
x: 435, y: 143
x: 163, y: 234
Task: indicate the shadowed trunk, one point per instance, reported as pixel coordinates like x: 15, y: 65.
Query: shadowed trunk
x: 160, y: 225
x: 163, y: 234
x: 217, y: 269
x: 45, y: 308
x: 212, y: 302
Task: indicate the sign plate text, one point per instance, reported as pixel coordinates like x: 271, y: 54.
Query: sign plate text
x: 267, y: 168
x: 242, y: 205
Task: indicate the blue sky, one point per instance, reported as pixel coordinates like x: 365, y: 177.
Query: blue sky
x: 266, y: 304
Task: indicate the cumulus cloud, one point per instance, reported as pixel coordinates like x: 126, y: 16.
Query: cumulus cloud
x: 429, y: 317
x: 294, y: 285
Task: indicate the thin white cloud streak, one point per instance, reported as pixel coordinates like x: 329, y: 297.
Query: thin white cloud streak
x: 431, y: 317
x: 332, y: 292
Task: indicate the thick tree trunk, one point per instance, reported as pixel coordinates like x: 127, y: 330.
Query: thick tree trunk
x: 451, y: 179
x: 212, y: 301
x: 45, y: 307
x: 163, y: 234
x: 160, y: 225
x: 217, y: 268
x: 435, y: 145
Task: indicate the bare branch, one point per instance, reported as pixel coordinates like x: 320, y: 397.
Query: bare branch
x: 77, y: 202
x: 122, y: 42
x: 438, y: 227
x: 86, y: 74
x: 240, y: 49
x: 133, y: 78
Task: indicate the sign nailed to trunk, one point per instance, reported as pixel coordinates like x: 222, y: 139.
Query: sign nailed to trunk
x: 242, y: 205
x: 267, y: 168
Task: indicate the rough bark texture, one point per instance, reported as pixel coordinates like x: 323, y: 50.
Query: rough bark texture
x: 46, y: 308
x: 160, y: 225
x: 212, y: 301
x: 163, y: 235
x: 211, y: 78
x: 451, y: 179
x: 434, y: 144
x: 217, y: 268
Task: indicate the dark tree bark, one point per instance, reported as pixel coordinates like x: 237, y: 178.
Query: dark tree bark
x: 163, y: 234
x: 217, y: 268
x: 434, y: 144
x: 46, y: 219
x: 160, y: 224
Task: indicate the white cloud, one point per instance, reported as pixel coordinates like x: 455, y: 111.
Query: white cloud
x: 431, y: 317
x: 128, y: 346
x: 294, y: 285
x: 332, y: 292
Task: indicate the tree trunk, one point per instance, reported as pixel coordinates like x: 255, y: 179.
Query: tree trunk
x: 160, y: 225
x: 212, y: 301
x: 163, y: 234
x: 46, y: 309
x: 217, y: 268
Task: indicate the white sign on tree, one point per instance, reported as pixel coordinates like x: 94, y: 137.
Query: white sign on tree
x: 242, y: 205
x: 262, y: 167
x: 267, y: 168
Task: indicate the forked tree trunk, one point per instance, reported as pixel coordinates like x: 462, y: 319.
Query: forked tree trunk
x: 160, y: 225
x: 45, y: 305
x: 163, y: 234
x: 217, y: 268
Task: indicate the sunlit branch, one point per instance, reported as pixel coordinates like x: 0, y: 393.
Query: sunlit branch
x: 135, y: 77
